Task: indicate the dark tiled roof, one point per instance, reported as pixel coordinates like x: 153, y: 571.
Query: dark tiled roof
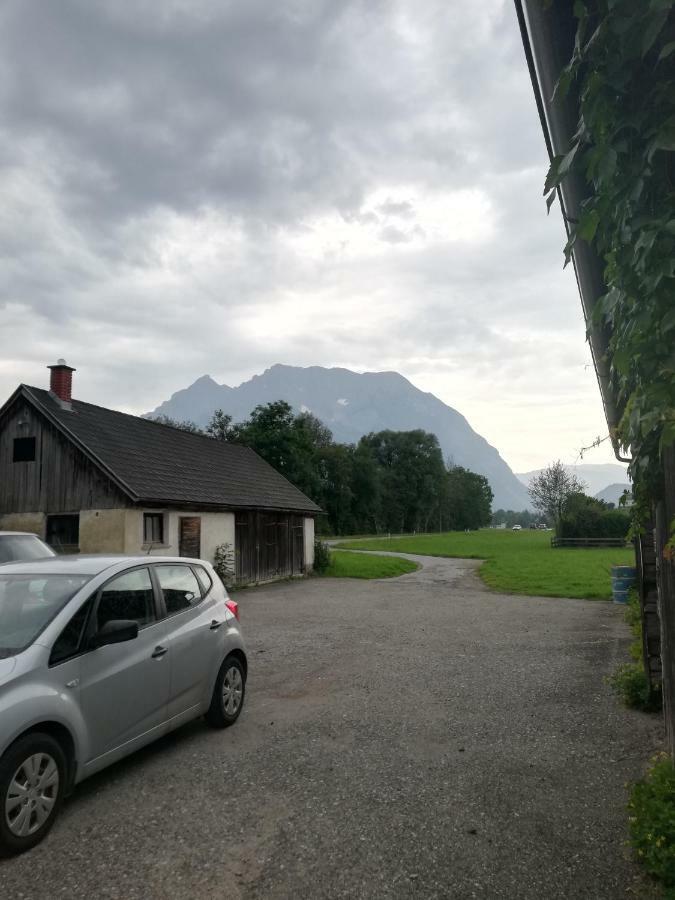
x: 158, y: 463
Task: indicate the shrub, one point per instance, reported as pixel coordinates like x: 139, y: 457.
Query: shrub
x: 652, y: 821
x: 223, y: 563
x: 590, y: 521
x: 321, y: 556
x: 632, y: 685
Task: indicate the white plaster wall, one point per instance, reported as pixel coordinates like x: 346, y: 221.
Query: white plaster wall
x: 102, y: 530
x: 216, y: 528
x: 309, y: 544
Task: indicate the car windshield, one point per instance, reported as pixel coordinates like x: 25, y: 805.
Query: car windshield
x: 28, y: 602
x: 22, y: 546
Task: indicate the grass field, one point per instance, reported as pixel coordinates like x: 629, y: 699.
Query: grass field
x: 518, y: 562
x: 358, y: 565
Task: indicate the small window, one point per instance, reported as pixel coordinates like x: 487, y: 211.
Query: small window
x: 129, y: 596
x: 180, y: 587
x: 204, y: 579
x: 63, y: 533
x: 24, y: 449
x: 69, y: 643
x: 153, y: 528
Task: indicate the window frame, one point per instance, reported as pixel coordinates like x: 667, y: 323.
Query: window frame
x: 205, y: 590
x: 49, y: 531
x: 82, y: 646
x: 24, y: 442
x: 148, y: 514
x: 160, y: 593
x: 91, y: 625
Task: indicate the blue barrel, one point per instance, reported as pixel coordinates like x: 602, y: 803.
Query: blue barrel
x: 623, y: 579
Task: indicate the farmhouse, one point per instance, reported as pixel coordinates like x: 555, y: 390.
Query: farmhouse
x: 92, y: 480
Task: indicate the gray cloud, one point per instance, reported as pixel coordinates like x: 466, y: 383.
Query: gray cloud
x: 199, y: 186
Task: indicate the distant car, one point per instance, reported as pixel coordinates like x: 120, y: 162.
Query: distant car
x: 100, y: 655
x: 517, y: 528
x: 18, y: 545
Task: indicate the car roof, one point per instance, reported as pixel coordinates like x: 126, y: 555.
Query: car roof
x: 20, y: 534
x: 83, y: 564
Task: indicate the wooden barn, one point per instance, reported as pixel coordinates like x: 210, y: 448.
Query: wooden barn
x: 92, y: 480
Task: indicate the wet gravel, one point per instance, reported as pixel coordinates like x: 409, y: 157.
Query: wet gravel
x: 417, y: 737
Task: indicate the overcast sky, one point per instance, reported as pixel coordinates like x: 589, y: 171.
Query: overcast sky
x: 204, y: 186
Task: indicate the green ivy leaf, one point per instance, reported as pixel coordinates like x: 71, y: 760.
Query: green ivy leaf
x: 588, y: 225
x: 653, y: 30
x: 567, y: 160
x: 552, y: 174
x: 563, y: 84
x: 666, y: 51
x: 665, y: 139
x: 550, y: 200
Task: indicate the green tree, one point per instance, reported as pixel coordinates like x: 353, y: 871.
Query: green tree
x: 174, y: 423
x: 467, y: 499
x: 411, y: 477
x: 552, y: 489
x: 220, y: 427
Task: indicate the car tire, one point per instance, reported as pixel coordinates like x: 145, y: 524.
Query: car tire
x: 228, y: 694
x: 35, y: 765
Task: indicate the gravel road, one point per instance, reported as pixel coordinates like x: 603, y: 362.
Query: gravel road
x: 417, y: 737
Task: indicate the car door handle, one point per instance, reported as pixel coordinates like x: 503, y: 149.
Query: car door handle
x: 215, y: 624
x: 159, y: 652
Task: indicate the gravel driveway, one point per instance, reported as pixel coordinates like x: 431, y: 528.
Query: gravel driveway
x: 416, y: 737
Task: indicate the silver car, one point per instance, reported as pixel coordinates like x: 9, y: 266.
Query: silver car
x: 99, y: 656
x: 16, y: 545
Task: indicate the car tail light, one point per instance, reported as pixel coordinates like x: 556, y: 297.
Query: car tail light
x: 233, y: 608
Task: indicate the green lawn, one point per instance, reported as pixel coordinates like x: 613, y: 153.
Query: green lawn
x: 358, y: 565
x: 518, y: 562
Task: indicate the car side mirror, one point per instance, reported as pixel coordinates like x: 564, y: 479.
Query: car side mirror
x: 116, y: 631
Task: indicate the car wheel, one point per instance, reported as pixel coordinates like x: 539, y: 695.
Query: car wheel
x: 32, y: 784
x: 228, y: 694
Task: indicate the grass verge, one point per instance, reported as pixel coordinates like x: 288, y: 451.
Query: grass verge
x: 518, y: 562
x: 652, y: 822
x: 360, y: 565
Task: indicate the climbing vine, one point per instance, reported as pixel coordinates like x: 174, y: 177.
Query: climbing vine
x: 622, y: 72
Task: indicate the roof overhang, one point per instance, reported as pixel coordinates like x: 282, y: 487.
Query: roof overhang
x: 548, y: 33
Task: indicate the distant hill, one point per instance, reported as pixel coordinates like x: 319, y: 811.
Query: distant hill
x: 596, y: 476
x: 613, y: 493
x: 351, y: 405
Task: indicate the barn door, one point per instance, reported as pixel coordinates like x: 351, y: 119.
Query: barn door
x: 245, y: 548
x: 190, y: 537
x: 267, y: 545
x: 297, y: 545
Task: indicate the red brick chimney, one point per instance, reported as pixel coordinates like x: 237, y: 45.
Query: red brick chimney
x: 61, y: 382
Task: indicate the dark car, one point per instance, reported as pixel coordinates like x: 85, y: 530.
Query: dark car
x: 19, y: 545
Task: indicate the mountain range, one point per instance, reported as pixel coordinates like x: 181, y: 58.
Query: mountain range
x: 351, y: 405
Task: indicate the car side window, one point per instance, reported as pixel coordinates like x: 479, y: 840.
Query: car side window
x: 204, y: 579
x: 129, y: 596
x: 70, y: 642
x: 179, y: 586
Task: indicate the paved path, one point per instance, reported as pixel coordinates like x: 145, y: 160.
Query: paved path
x: 416, y: 737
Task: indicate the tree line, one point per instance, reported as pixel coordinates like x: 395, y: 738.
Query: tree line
x: 390, y: 481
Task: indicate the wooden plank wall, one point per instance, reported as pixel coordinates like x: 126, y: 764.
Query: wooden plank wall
x: 665, y: 513
x: 61, y: 479
x: 268, y: 545
x: 651, y: 627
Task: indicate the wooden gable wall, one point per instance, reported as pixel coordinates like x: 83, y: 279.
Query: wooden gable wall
x: 60, y: 480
